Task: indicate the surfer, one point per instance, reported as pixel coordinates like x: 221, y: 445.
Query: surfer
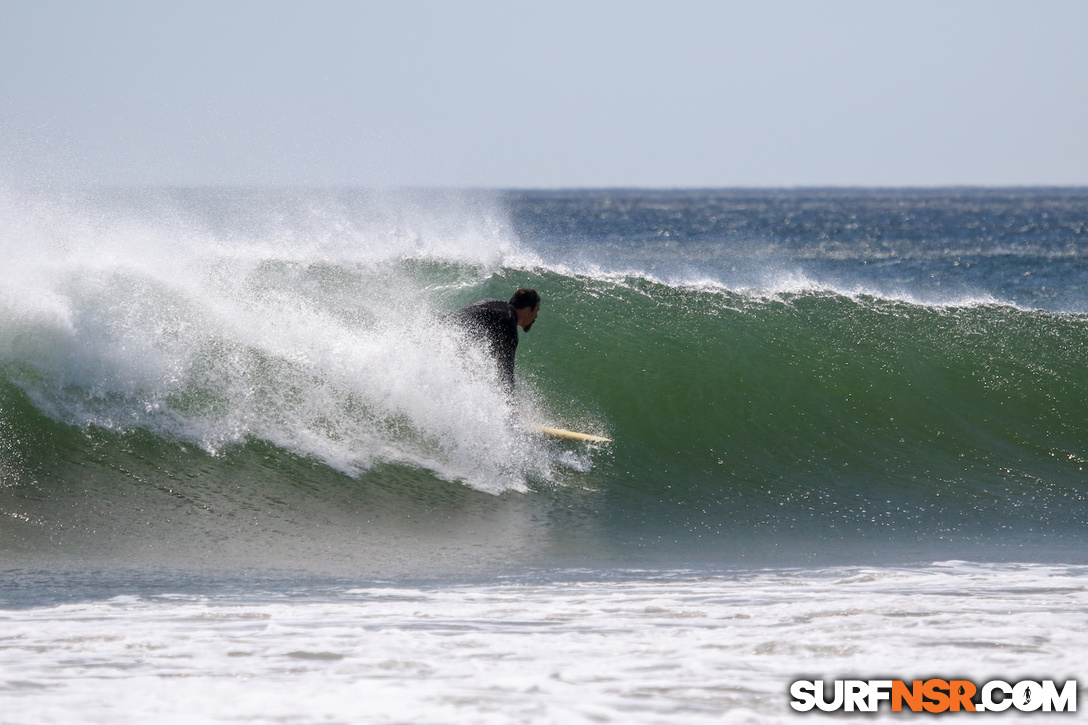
x: 496, y: 323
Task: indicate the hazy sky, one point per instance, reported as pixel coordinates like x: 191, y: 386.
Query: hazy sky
x: 544, y: 94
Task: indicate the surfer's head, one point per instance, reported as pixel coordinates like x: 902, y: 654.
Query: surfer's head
x: 526, y: 304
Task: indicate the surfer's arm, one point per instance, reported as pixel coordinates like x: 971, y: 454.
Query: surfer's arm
x: 506, y: 369
x: 505, y: 345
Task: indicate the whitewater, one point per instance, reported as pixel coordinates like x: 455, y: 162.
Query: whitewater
x: 248, y: 473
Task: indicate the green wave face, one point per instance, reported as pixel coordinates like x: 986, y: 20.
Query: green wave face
x: 813, y: 410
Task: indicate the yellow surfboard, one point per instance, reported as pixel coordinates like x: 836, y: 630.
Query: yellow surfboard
x: 569, y: 435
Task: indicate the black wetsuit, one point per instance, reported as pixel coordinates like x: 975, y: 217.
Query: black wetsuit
x: 496, y: 322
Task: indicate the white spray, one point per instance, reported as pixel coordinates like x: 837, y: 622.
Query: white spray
x: 308, y: 320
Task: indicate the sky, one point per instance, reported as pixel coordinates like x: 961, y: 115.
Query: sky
x: 544, y: 94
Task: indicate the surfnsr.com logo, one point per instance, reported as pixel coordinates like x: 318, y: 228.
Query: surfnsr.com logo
x: 934, y: 695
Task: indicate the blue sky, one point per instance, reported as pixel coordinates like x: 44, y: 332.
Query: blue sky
x: 544, y: 94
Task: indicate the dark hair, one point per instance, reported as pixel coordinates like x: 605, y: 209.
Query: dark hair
x: 524, y: 298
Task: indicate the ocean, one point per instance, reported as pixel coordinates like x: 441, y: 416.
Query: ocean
x: 248, y: 473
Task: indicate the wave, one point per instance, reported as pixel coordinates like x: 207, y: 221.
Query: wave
x: 292, y: 358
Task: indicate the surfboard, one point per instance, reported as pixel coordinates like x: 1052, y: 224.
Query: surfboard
x: 570, y: 435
